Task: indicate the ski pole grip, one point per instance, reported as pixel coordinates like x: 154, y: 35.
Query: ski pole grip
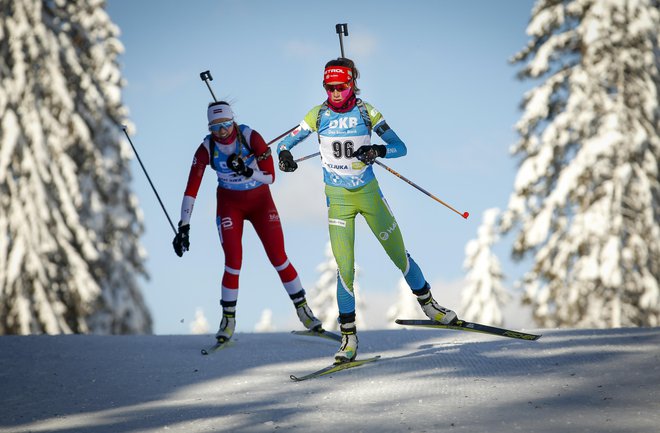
x: 206, y: 75
x: 342, y: 29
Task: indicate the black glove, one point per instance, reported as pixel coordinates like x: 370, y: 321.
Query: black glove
x: 368, y: 154
x: 181, y: 241
x: 237, y: 165
x: 286, y: 161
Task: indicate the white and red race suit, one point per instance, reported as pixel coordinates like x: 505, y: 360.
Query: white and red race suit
x: 239, y: 199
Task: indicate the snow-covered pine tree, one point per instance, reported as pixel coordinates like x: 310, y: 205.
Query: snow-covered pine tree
x: 69, y: 224
x: 484, y: 294
x: 265, y: 323
x: 586, y: 200
x: 200, y: 325
x: 323, y: 297
x: 406, y: 306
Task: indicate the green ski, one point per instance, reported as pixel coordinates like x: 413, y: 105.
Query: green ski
x: 462, y: 325
x: 217, y: 347
x: 323, y: 334
x: 334, y: 368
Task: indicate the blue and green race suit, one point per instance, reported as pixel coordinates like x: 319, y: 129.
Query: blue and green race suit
x: 351, y: 188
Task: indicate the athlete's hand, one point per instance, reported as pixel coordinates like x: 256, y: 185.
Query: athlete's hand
x: 181, y: 241
x: 286, y: 161
x: 368, y: 153
x: 237, y: 165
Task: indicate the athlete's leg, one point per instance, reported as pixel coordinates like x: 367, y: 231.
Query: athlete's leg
x: 341, y: 226
x: 229, y: 220
x: 266, y: 222
x: 381, y: 220
x: 384, y: 226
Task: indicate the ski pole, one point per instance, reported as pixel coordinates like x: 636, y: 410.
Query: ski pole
x: 149, y: 179
x: 206, y: 77
x: 280, y: 136
x: 342, y: 30
x: 308, y: 156
x: 411, y: 183
x: 464, y: 214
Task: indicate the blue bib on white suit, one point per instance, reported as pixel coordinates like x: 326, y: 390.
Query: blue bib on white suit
x: 227, y: 179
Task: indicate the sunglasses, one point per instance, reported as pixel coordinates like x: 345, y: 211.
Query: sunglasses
x: 216, y: 127
x: 338, y: 87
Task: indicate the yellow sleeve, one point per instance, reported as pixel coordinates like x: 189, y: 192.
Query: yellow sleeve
x: 311, y: 116
x: 374, y: 114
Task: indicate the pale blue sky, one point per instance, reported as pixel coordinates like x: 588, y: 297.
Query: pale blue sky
x: 437, y: 70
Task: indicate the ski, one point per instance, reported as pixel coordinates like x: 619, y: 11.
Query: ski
x: 334, y: 368
x: 323, y: 334
x: 462, y: 325
x: 217, y: 347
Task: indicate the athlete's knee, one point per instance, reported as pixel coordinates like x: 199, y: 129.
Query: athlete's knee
x: 278, y: 258
x: 346, y: 277
x: 285, y: 270
x: 230, y: 277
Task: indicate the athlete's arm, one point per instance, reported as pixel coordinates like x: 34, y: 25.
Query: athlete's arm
x: 266, y: 172
x: 393, y: 144
x: 200, y: 161
x: 304, y: 129
x: 395, y: 147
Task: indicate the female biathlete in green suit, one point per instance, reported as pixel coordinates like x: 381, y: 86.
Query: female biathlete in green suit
x: 344, y: 124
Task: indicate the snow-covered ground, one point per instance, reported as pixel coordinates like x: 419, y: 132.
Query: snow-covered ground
x: 426, y: 381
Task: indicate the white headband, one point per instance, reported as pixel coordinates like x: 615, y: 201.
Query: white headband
x: 220, y: 111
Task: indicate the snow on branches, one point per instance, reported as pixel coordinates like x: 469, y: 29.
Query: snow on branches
x: 586, y: 200
x: 69, y: 224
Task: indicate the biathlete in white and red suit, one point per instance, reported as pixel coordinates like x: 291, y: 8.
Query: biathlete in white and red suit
x: 244, y: 166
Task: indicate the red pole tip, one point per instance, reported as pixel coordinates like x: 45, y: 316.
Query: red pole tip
x: 466, y: 214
